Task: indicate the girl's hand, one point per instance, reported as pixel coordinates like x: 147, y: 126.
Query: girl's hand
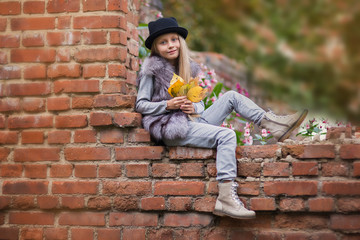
x: 188, y: 107
x: 176, y: 102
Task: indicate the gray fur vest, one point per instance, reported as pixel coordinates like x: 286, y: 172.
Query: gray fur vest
x: 173, y: 124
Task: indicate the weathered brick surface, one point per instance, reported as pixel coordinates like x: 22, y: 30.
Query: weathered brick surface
x: 75, y: 162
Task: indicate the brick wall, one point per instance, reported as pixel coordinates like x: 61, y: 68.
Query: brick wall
x: 75, y: 163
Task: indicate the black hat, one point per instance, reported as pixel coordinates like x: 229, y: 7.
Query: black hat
x: 162, y: 26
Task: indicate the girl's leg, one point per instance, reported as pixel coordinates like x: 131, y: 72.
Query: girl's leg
x: 232, y: 101
x: 209, y: 136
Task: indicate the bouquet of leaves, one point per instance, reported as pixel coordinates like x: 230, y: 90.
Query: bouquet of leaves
x: 192, y: 90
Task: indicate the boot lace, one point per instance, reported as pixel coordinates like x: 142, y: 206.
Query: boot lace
x: 234, y: 194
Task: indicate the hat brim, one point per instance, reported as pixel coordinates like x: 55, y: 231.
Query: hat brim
x: 181, y: 31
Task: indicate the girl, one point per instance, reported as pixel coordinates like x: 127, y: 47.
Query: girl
x: 166, y: 118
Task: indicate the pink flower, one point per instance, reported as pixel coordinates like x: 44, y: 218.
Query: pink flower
x: 247, y: 125
x: 201, y: 75
x: 264, y: 132
x: 249, y: 140
x: 307, y: 126
x: 213, y: 99
x: 207, y: 83
x: 201, y: 84
x: 159, y: 15
x: 247, y: 132
x: 213, y: 80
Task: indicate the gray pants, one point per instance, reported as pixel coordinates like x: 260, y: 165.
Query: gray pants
x: 207, y: 133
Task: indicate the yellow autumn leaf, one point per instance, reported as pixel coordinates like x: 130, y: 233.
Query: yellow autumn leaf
x: 184, y: 90
x: 196, y: 94
x: 175, y: 84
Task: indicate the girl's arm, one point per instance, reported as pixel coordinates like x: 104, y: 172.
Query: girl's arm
x: 143, y: 100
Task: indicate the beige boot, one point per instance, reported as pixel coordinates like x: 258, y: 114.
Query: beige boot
x: 229, y: 204
x: 282, y: 126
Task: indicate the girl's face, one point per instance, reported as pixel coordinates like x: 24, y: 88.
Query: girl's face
x: 168, y: 46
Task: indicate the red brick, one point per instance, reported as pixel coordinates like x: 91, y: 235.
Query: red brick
x: 10, y: 105
x: 87, y: 153
x: 82, y: 219
x: 99, y: 22
x: 336, y: 132
x: 35, y: 72
x: 249, y: 188
x: 309, y: 151
x: 25, y: 187
x: 117, y: 70
x: 341, y: 188
x: 85, y: 136
x: 99, y: 203
x: 58, y: 103
x: 276, y: 169
x: 32, y: 55
x: 331, y: 169
x: 111, y: 136
x: 356, y: 171
x: 76, y: 86
x: 61, y: 170
x: 115, y: 86
x: 78, y: 187
x: 291, y: 188
x: 85, y: 171
x: 33, y: 218
x: 39, y: 23
x: 5, y: 202
x: 109, y: 234
x: 296, y: 236
x: 9, y: 41
x: 118, y: 37
x: 82, y: 233
x: 64, y: 70
x: 153, y: 203
x: 109, y: 170
x: 47, y: 202
x: 33, y: 7
x: 94, y: 70
x: 211, y: 169
x: 32, y: 233
x: 292, y: 204
x: 28, y: 137
x: 96, y: 37
x: 300, y: 221
x: 100, y: 119
x: 133, y: 234
x: 263, y: 204
x: 115, y: 5
x: 163, y: 170
x: 305, y: 168
x: 133, y: 219
x: 73, y: 202
x: 33, y: 40
x: 4, y: 153
x: 191, y: 170
x: 179, y: 188
x: 34, y: 105
x: 82, y: 102
x: 36, y: 154
x: 59, y: 6
x: 346, y: 223
x: 126, y: 203
x: 187, y: 220
x: 10, y: 72
x: 321, y: 205
x: 28, y: 89
x: 56, y: 233
x: 23, y: 202
x: 9, y: 232
x: 256, y: 151
x: 204, y: 204
x: 64, y: 22
x: 139, y: 153
x: 36, y: 171
x: 11, y: 170
x: 10, y: 8
x: 323, y: 236
x: 8, y: 137
x: 190, y: 153
x: 138, y: 135
x: 70, y: 121
x: 350, y: 151
x: 127, y: 188
x: 137, y: 170
x: 63, y: 55
x: 246, y: 169
x: 59, y: 137
x: 63, y: 39
x: 348, y: 204
x: 101, y: 54
x: 39, y: 121
x: 94, y: 5
x: 269, y: 235
x: 179, y: 203
x: 111, y: 100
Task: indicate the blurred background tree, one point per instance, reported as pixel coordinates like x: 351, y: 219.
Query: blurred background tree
x: 305, y: 53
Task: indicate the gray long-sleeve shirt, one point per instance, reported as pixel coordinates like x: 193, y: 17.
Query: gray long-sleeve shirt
x: 145, y: 106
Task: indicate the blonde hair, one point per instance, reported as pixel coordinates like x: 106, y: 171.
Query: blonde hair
x: 183, y: 61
